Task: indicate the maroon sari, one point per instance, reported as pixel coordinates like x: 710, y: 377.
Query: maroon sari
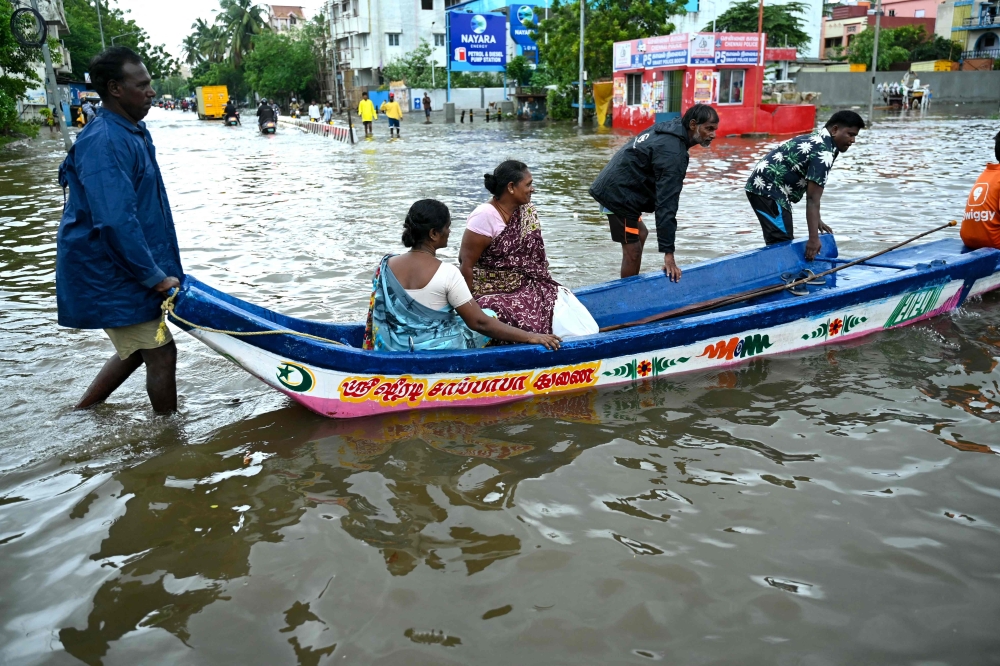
x: 512, y: 275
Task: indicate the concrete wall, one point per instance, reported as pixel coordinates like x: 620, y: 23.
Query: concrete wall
x: 853, y: 88
x: 464, y: 98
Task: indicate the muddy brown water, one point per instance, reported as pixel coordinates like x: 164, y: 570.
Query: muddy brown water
x: 836, y: 506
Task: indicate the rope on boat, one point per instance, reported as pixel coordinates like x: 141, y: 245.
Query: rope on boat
x: 764, y: 291
x: 167, y: 308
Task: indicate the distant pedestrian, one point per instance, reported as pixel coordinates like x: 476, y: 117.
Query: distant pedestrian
x: 328, y: 114
x: 797, y: 167
x: 314, y: 112
x: 366, y: 109
x: 393, y: 112
x: 52, y: 120
x: 117, y: 252
x: 89, y: 112
x: 427, y: 108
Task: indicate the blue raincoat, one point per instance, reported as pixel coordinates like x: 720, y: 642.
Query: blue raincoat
x: 116, y: 240
x: 397, y: 322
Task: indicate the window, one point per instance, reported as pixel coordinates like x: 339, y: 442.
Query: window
x: 892, y: 12
x: 438, y: 40
x: 633, y: 89
x: 393, y: 38
x: 675, y: 85
x: 918, y: 13
x: 832, y: 42
x: 731, y: 86
x: 363, y: 40
x: 427, y: 4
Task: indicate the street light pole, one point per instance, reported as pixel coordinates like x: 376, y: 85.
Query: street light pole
x: 579, y: 115
x: 52, y: 91
x: 100, y: 25
x: 871, y: 98
x: 124, y: 34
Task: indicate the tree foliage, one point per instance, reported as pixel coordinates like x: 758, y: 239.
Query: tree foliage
x: 520, y: 70
x: 415, y: 68
x: 84, y: 39
x: 782, y: 23
x: 17, y: 73
x: 281, y: 64
x: 240, y: 21
x: 607, y: 22
x: 906, y: 43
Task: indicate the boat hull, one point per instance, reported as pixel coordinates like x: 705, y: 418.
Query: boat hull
x: 341, y: 394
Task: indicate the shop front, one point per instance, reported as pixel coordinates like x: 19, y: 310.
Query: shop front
x: 659, y: 78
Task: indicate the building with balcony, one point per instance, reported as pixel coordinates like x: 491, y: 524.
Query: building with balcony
x: 975, y: 24
x: 847, y: 21
x: 369, y: 34
x: 285, y: 17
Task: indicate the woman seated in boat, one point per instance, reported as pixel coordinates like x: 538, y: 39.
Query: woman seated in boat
x: 421, y: 303
x: 503, y: 260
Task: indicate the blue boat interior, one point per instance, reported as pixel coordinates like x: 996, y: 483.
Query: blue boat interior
x: 617, y: 302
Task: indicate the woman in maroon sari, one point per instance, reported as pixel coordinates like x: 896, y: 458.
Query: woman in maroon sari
x: 503, y: 256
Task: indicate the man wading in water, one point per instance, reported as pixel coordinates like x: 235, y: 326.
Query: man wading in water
x: 117, y: 253
x: 646, y: 175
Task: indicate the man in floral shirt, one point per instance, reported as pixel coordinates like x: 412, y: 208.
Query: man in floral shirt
x: 796, y: 167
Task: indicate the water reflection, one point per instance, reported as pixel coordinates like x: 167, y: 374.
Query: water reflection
x: 789, y: 509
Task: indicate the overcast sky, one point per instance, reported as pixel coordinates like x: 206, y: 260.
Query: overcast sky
x: 169, y: 22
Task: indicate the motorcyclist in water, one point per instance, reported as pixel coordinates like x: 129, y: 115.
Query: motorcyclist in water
x: 265, y: 113
x: 231, y: 112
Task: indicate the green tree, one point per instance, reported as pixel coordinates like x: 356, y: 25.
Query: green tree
x: 280, y: 64
x: 860, y: 49
x: 210, y: 41
x: 17, y: 73
x: 415, y: 69
x: 607, y: 22
x: 520, y: 69
x: 782, y: 24
x: 240, y: 21
x: 906, y: 43
x: 84, y: 38
x: 220, y: 74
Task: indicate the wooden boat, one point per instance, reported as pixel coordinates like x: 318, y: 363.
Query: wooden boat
x: 338, y: 379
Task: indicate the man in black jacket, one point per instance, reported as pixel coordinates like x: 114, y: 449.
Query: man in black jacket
x: 265, y: 113
x: 646, y: 175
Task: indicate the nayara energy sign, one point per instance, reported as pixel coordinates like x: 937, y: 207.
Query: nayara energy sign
x: 478, y: 42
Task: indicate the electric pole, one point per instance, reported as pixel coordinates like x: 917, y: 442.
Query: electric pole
x: 871, y: 99
x: 50, y: 79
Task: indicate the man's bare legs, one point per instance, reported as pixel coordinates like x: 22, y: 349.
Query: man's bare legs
x: 632, y: 253
x: 161, y: 378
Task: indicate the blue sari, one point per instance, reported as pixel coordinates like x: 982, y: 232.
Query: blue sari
x: 397, y: 322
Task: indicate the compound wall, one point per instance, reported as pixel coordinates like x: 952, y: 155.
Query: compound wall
x: 853, y: 88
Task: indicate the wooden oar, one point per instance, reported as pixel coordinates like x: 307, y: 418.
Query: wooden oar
x: 763, y: 291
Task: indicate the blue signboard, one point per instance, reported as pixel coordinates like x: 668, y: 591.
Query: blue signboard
x: 522, y: 17
x: 478, y: 42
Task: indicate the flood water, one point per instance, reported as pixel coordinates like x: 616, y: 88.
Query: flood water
x: 836, y: 506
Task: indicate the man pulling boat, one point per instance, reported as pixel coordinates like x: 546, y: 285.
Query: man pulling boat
x: 797, y: 167
x: 647, y: 175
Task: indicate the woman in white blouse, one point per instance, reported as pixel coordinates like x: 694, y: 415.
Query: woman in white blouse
x: 421, y: 303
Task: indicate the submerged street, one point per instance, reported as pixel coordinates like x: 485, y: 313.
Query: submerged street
x: 830, y: 506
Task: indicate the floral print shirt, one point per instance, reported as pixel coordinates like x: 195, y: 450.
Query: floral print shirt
x: 784, y: 172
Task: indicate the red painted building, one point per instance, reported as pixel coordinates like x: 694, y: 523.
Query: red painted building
x: 659, y: 78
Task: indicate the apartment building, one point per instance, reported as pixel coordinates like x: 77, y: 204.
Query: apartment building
x: 285, y: 17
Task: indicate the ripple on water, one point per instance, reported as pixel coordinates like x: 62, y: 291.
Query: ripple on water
x: 793, y: 508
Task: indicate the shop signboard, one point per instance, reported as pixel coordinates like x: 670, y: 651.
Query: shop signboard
x: 737, y: 48
x: 652, y: 52
x: 478, y: 42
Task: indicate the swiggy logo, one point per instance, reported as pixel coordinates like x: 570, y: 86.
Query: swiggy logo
x: 978, y: 195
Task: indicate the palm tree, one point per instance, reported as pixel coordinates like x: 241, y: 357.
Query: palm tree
x: 240, y: 21
x: 211, y: 41
x: 192, y: 50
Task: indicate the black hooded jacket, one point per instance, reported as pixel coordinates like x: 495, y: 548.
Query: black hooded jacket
x: 265, y: 113
x: 646, y: 175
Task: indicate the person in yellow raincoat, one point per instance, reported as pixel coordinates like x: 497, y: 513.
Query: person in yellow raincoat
x: 393, y: 112
x: 367, y: 112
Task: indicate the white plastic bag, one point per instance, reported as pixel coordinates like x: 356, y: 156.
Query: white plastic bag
x: 570, y: 318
